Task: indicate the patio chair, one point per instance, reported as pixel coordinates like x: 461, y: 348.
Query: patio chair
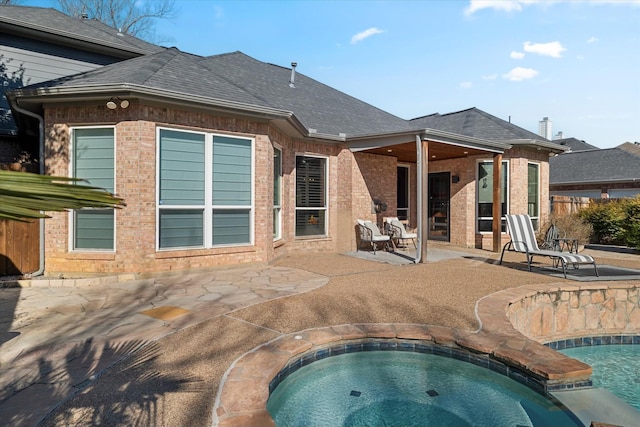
x: 370, y: 233
x: 523, y: 240
x: 397, y: 232
x: 556, y: 240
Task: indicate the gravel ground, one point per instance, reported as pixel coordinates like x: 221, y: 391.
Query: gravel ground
x: 175, y: 381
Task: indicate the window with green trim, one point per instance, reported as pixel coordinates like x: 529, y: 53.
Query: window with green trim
x: 484, y: 191
x: 533, y: 193
x: 205, y: 190
x: 277, y: 193
x: 93, y: 159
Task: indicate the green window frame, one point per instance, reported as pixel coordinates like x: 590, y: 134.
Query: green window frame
x: 484, y: 195
x: 533, y: 193
x: 205, y: 190
x: 277, y: 193
x: 93, y: 160
x: 311, y: 196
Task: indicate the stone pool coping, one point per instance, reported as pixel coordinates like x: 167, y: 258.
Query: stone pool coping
x: 244, y: 389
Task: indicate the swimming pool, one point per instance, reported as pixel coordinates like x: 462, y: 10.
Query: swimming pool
x: 615, y: 368
x: 396, y: 388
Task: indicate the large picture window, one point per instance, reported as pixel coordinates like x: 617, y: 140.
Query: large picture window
x: 93, y: 159
x: 311, y: 197
x: 533, y: 193
x: 484, y: 192
x: 205, y: 190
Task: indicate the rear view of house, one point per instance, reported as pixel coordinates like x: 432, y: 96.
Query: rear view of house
x: 227, y: 159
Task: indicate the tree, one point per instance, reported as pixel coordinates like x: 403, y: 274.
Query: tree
x: 134, y: 17
x: 25, y: 195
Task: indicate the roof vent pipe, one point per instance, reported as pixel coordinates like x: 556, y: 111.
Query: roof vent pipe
x: 292, y: 80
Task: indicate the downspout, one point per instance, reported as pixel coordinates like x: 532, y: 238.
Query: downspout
x: 419, y: 196
x: 41, y: 160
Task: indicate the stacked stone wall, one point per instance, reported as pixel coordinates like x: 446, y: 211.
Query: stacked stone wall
x: 577, y: 311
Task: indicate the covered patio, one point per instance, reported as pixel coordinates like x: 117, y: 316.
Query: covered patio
x: 436, y: 156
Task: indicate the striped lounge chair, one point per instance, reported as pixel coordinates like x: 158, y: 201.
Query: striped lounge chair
x: 523, y: 240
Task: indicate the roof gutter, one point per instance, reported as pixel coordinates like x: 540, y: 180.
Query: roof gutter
x: 609, y: 181
x: 539, y: 144
x: 98, y: 92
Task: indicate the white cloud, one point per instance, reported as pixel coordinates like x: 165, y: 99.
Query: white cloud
x: 490, y: 77
x: 364, y: 34
x: 518, y: 5
x: 517, y: 55
x: 553, y: 49
x: 465, y: 85
x: 504, y: 5
x: 592, y: 39
x: 518, y: 74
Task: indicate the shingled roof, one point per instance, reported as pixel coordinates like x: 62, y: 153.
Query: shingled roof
x: 575, y: 144
x: 476, y: 123
x: 619, y: 164
x: 48, y: 24
x: 237, y: 79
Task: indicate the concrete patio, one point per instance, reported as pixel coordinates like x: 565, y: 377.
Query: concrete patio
x: 153, y: 350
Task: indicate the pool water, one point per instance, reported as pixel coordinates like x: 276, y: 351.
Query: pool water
x: 615, y: 368
x: 393, y: 388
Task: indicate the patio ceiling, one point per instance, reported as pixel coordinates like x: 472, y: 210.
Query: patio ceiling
x: 406, y: 153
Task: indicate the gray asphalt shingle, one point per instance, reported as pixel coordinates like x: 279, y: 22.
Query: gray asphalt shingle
x: 476, y: 123
x: 54, y: 22
x: 599, y: 165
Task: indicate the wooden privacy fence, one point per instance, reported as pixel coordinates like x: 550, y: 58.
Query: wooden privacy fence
x: 567, y: 205
x: 19, y: 247
x: 19, y: 241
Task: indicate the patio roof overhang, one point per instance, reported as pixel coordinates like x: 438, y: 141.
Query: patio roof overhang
x: 442, y: 145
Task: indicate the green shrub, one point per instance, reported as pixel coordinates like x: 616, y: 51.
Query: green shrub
x: 632, y: 223
x: 614, y: 222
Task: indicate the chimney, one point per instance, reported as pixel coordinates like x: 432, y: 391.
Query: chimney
x: 292, y: 80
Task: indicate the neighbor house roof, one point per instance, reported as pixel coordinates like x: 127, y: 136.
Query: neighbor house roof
x: 619, y: 164
x: 51, y: 25
x: 575, y: 144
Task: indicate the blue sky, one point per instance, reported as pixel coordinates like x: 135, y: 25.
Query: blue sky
x: 576, y: 62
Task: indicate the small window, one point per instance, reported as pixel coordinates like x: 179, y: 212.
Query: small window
x: 533, y: 193
x: 484, y: 193
x: 403, y: 192
x: 277, y: 193
x: 311, y: 197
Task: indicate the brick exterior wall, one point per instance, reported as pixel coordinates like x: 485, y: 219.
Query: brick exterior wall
x: 354, y: 181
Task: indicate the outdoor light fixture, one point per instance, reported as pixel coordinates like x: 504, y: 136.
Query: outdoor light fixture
x: 113, y: 103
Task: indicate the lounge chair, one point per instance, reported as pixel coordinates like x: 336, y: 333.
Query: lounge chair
x: 523, y: 240
x: 370, y: 233
x: 397, y: 232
